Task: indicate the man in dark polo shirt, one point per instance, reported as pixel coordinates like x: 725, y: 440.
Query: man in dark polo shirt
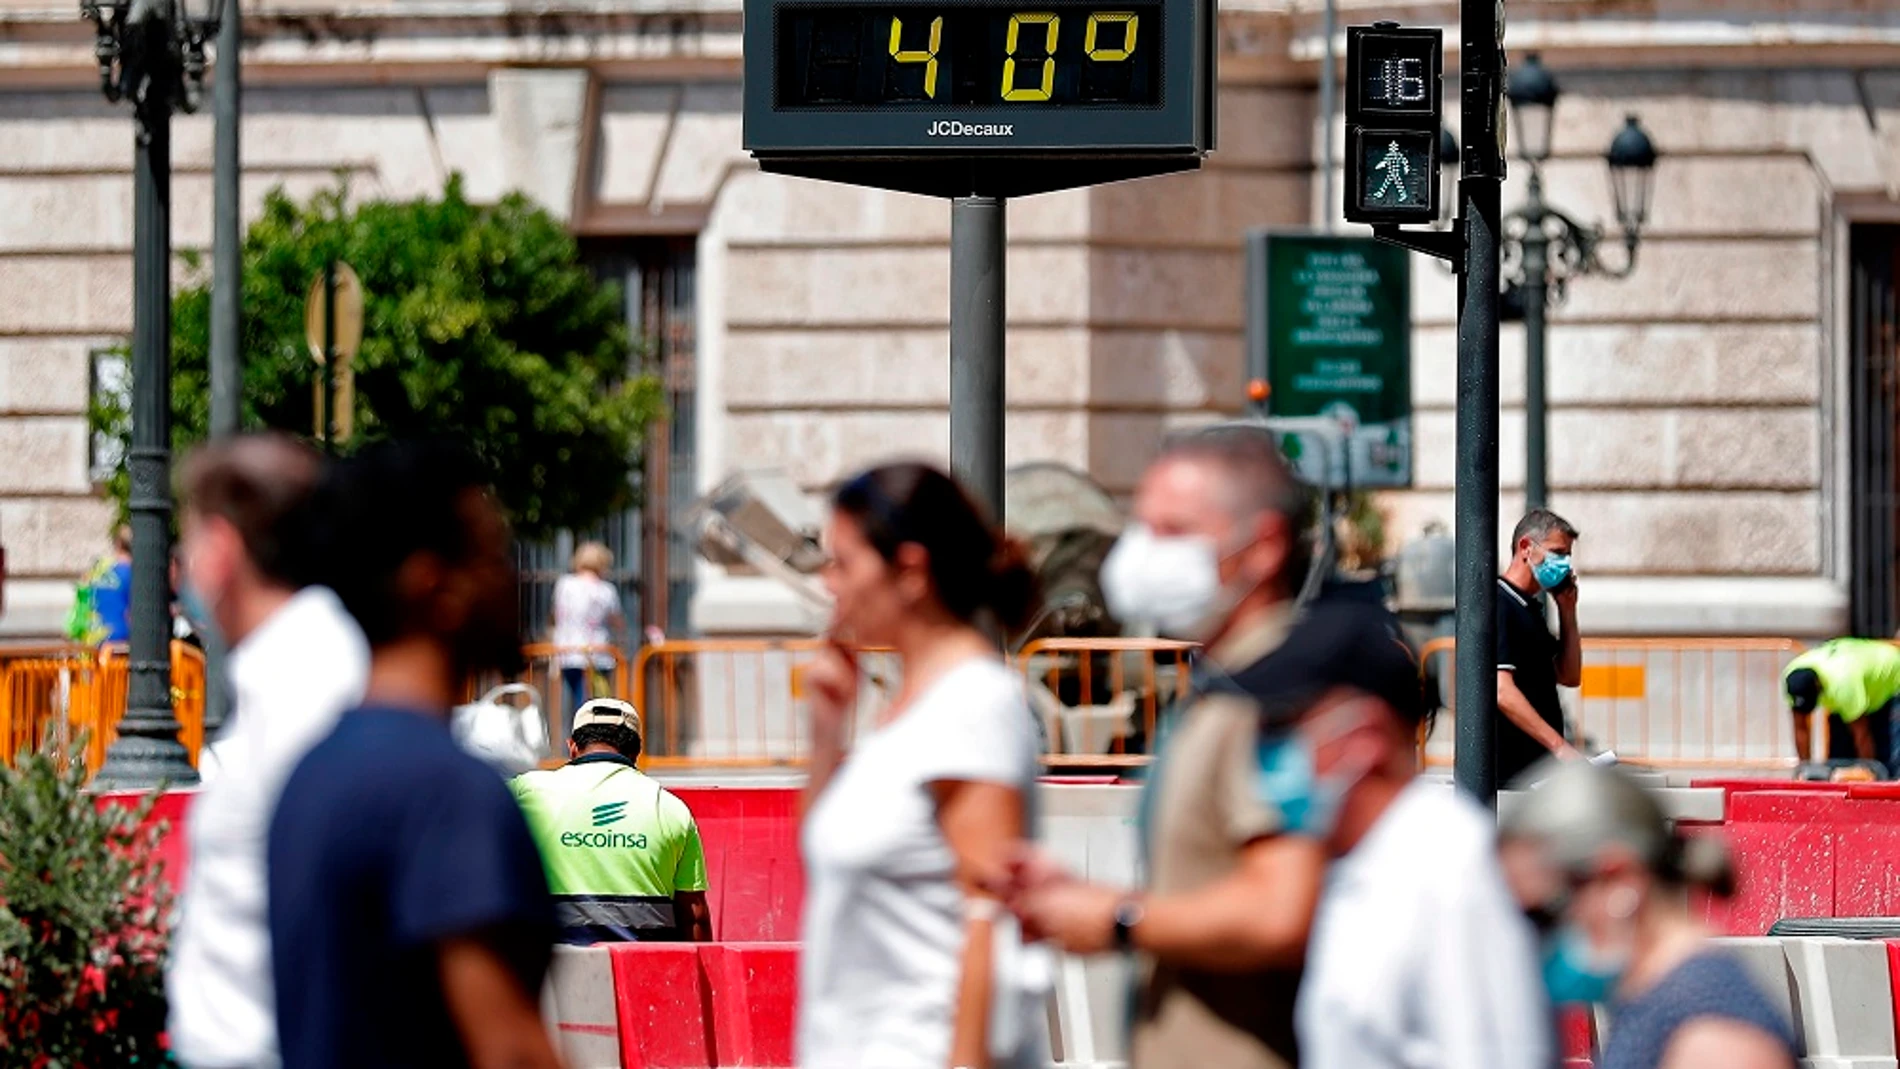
x: 1532, y: 663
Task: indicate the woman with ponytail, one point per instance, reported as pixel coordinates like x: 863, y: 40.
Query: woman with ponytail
x: 1595, y: 863
x: 907, y: 962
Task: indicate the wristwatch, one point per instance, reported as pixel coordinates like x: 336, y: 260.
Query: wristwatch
x: 1128, y: 913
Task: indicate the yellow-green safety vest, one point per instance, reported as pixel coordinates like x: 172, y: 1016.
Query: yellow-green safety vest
x: 1858, y: 675
x: 617, y: 847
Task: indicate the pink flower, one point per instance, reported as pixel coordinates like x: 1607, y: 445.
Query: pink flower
x: 93, y: 978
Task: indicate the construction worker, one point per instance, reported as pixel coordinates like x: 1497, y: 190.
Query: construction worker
x: 1850, y: 678
x: 622, y: 852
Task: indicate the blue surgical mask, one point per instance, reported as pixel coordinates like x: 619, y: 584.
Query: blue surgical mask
x: 1574, y: 972
x: 1551, y: 572
x: 195, y: 609
x: 1288, y: 781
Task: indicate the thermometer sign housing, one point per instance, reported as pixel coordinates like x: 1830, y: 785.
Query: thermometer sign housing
x: 1060, y: 81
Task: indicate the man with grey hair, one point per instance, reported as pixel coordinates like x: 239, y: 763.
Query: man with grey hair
x: 1532, y: 663
x: 1215, y: 554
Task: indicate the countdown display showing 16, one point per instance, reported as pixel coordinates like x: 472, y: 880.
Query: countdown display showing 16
x: 1396, y: 82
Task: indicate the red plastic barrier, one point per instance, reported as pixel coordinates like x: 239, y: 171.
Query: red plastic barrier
x: 1802, y: 849
x: 1866, y: 881
x: 706, y: 1006
x: 754, y: 1001
x: 1783, y: 871
x: 1734, y: 788
x: 757, y: 884
x: 171, y: 808
x: 1809, y: 850
x: 1576, y: 1036
x: 1786, y: 807
x: 665, y: 1011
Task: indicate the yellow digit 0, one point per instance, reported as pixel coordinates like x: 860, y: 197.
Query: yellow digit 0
x: 1128, y: 20
x: 927, y: 57
x: 1016, y: 22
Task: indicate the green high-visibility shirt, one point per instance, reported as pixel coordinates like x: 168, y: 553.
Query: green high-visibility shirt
x: 1858, y: 675
x: 617, y: 847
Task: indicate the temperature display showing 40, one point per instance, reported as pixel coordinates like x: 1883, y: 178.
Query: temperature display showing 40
x: 967, y: 56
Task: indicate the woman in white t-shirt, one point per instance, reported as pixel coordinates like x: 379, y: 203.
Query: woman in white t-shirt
x: 906, y: 962
x: 586, y: 614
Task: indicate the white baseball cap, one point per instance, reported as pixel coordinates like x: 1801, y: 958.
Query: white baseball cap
x: 608, y: 712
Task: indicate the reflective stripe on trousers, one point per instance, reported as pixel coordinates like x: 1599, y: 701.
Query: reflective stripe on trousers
x: 597, y: 918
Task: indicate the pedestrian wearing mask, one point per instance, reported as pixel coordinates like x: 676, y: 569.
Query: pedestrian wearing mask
x: 1593, y: 861
x: 1420, y: 958
x: 1531, y: 663
x: 908, y: 963
x: 1215, y: 555
x: 297, y: 661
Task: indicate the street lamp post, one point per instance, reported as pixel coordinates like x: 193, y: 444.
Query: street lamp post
x: 1545, y: 248
x: 152, y: 53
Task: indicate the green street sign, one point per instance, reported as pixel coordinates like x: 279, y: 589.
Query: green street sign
x: 1338, y: 341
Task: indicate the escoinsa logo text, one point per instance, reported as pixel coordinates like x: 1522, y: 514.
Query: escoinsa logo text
x: 953, y: 128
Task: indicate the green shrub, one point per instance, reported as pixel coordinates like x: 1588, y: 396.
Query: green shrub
x: 479, y: 321
x: 84, y: 923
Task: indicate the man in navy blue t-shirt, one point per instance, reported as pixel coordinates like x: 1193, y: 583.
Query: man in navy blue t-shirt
x: 410, y: 918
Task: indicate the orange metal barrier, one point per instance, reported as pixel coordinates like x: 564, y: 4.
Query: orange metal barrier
x: 59, y: 693
x: 106, y: 707
x: 736, y: 703
x: 1100, y: 699
x: 543, y: 673
x: 40, y: 688
x: 1678, y: 702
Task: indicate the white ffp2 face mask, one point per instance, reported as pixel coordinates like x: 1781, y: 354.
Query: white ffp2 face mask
x: 1172, y: 582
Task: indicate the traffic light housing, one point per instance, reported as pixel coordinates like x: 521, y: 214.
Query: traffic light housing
x: 1394, y: 109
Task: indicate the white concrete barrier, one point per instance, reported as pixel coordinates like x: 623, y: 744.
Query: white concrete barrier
x: 578, y: 1006
x: 1091, y: 829
x: 1843, y: 998
x: 1766, y: 960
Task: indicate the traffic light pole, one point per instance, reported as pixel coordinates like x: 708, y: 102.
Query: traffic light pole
x: 1473, y: 251
x: 1481, y: 84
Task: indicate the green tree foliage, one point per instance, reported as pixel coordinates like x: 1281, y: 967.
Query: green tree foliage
x: 479, y: 321
x: 83, y: 923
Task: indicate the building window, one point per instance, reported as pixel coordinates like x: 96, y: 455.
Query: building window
x: 1874, y: 427
x: 653, y: 565
x: 109, y: 389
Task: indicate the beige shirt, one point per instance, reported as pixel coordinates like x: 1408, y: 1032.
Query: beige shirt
x: 1203, y: 811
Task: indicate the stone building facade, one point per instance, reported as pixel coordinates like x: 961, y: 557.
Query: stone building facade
x: 1701, y: 411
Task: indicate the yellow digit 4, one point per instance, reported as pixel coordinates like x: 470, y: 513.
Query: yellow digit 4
x: 1128, y: 20
x: 1047, y: 89
x: 927, y: 57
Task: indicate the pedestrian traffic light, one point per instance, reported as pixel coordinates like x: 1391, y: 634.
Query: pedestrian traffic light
x: 1393, y: 111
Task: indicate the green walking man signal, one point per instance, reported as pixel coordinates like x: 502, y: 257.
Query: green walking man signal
x: 1393, y: 110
